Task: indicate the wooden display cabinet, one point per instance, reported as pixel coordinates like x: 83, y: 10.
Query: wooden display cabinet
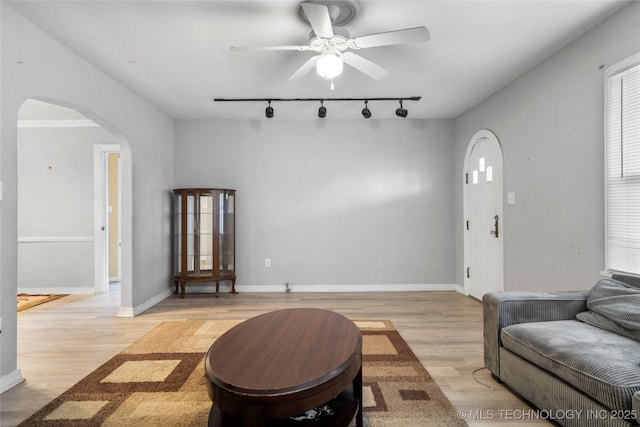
x: 204, y: 237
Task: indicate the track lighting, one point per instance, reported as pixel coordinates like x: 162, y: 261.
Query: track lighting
x: 366, y: 113
x: 269, y: 111
x: 401, y: 112
x: 322, y: 111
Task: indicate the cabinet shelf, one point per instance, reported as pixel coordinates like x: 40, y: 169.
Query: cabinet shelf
x: 204, y: 237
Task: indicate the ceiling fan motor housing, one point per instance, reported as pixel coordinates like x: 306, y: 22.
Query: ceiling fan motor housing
x: 340, y: 37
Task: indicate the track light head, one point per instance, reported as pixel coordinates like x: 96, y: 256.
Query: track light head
x: 401, y: 112
x: 322, y: 111
x: 269, y: 111
x: 366, y: 113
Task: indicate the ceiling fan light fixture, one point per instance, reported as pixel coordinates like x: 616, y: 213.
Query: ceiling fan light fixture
x: 329, y: 65
x: 401, y: 112
x: 269, y: 111
x: 366, y: 113
x: 322, y: 111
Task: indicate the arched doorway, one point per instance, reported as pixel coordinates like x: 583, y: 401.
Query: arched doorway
x: 71, y: 163
x: 483, y: 215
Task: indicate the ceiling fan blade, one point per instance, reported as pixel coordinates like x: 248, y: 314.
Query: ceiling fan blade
x: 365, y: 66
x: 318, y: 16
x: 245, y: 48
x: 417, y: 34
x: 306, y: 67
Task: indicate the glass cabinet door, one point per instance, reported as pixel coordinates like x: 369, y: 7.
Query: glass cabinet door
x: 205, y: 233
x: 190, y: 232
x: 226, y: 230
x: 177, y: 233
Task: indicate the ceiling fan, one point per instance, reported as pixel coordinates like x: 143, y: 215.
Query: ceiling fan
x: 334, y: 45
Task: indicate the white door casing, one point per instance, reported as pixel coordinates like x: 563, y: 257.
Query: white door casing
x: 100, y: 191
x: 119, y: 278
x: 483, y: 215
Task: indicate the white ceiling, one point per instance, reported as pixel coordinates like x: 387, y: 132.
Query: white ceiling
x: 176, y: 53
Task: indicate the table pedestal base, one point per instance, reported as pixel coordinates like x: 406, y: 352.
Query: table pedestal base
x: 341, y: 411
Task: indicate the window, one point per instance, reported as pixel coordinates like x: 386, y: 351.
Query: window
x: 622, y: 167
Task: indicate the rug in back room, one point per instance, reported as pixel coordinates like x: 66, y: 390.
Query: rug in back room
x: 31, y: 300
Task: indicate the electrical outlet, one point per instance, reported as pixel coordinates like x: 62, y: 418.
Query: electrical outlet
x: 267, y: 262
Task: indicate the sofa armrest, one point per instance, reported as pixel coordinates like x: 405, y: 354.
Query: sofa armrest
x: 501, y: 309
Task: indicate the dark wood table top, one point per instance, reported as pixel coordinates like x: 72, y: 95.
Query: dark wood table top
x: 284, y: 363
x: 284, y: 351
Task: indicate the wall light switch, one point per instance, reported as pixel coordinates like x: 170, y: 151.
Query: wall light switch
x: 267, y: 262
x: 511, y: 198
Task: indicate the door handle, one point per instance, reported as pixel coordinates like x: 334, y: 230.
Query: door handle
x: 494, y: 232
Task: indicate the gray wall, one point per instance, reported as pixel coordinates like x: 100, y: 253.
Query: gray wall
x: 36, y: 66
x: 550, y: 123
x: 56, y: 208
x: 332, y: 202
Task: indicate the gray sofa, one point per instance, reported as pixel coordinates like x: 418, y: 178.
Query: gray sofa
x: 574, y: 355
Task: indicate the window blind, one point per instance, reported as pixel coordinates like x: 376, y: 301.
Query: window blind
x: 623, y: 167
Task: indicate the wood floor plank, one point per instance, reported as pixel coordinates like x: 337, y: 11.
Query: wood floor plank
x: 62, y: 341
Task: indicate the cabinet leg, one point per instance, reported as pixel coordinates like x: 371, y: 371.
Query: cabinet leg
x: 233, y: 286
x: 182, y: 286
x: 217, y: 288
x: 175, y: 283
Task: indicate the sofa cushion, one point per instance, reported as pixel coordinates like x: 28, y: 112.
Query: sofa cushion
x: 614, y: 306
x: 602, y: 364
x: 629, y: 279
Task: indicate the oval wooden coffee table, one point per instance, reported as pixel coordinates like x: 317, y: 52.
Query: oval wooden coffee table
x: 270, y: 368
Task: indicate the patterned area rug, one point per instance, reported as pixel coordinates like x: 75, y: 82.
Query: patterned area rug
x: 31, y: 300
x: 159, y: 381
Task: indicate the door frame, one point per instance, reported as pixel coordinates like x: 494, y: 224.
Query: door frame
x: 100, y: 216
x: 490, y: 136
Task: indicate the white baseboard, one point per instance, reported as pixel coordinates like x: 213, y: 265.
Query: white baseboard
x: 56, y: 290
x: 460, y: 289
x: 134, y: 311
x: 125, y: 312
x: 413, y: 287
x: 10, y: 380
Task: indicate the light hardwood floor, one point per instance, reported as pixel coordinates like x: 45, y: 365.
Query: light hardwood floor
x: 62, y: 341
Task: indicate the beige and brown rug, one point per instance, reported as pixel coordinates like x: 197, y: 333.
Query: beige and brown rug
x: 31, y: 300
x: 159, y: 381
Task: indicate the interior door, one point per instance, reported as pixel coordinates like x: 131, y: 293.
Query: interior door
x: 483, y: 216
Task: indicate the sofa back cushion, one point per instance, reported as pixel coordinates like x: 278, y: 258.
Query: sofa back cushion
x: 614, y: 306
x: 629, y: 279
